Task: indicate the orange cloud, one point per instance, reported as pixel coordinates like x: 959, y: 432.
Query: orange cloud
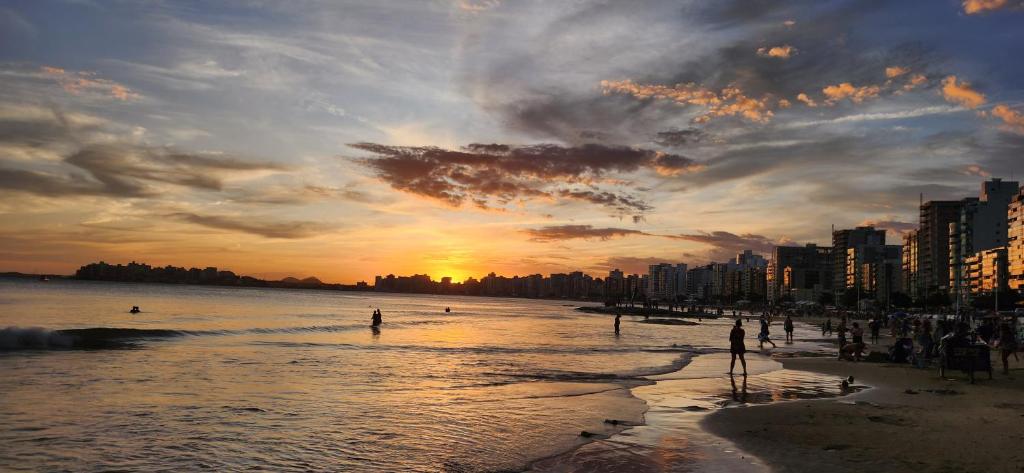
x: 84, y: 81
x: 731, y: 101
x: 895, y: 71
x: 1012, y: 119
x: 972, y: 7
x: 782, y: 52
x: 961, y: 93
x: 806, y: 100
x: 976, y: 170
x: 846, y: 90
x: 914, y: 81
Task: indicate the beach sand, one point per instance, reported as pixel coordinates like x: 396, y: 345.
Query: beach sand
x: 793, y: 415
x: 910, y: 420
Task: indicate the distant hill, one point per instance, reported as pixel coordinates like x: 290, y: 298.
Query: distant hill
x: 310, y: 281
x: 141, y: 272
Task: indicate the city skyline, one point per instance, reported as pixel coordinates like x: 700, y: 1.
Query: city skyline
x: 456, y: 138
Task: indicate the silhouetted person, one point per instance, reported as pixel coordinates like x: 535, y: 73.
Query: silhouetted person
x: 1007, y: 345
x: 736, y: 346
x: 135, y: 309
x: 618, y: 318
x: 788, y: 327
x: 377, y: 318
x: 447, y: 309
x: 764, y: 336
x: 875, y: 327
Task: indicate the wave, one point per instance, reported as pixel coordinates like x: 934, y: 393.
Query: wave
x: 38, y: 338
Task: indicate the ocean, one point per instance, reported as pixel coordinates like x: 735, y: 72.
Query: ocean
x: 287, y: 380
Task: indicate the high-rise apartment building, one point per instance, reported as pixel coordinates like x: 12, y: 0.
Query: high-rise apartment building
x: 802, y: 273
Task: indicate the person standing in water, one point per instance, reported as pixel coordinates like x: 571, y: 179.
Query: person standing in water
x: 618, y: 317
x: 788, y: 326
x: 377, y: 318
x: 736, y: 346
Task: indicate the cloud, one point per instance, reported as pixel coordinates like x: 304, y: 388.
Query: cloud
x: 976, y: 170
x: 730, y: 101
x: 895, y: 71
x: 973, y: 7
x: 299, y: 194
x: 914, y: 81
x: 781, y: 52
x: 80, y: 82
x: 632, y: 264
x: 251, y: 225
x: 498, y: 174
x: 895, y: 228
x: 1012, y: 119
x: 846, y: 90
x: 570, y: 232
x: 724, y: 245
x: 679, y: 138
x: 123, y: 170
x: 806, y: 100
x: 476, y: 6
x: 961, y: 93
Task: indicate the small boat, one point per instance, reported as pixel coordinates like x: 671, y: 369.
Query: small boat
x: 44, y: 278
x: 135, y: 309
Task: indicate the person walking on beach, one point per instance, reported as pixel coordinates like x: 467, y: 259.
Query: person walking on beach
x: 736, y: 346
x: 763, y: 337
x: 857, y: 334
x: 841, y: 332
x: 876, y: 326
x: 826, y: 327
x: 1007, y: 345
x: 788, y: 327
x: 618, y: 317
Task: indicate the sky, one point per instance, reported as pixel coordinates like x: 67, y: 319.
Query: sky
x: 346, y: 139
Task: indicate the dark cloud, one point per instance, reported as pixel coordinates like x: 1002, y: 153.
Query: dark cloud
x: 254, y: 226
x: 725, y: 245
x: 632, y: 264
x: 496, y: 174
x: 570, y: 232
x: 296, y: 195
x: 679, y: 138
x: 128, y: 171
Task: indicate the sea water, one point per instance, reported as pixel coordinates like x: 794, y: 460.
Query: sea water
x: 287, y: 380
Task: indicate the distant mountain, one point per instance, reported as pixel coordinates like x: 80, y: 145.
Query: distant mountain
x: 310, y: 281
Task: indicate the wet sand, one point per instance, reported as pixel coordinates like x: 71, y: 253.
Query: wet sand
x: 911, y: 420
x: 672, y: 437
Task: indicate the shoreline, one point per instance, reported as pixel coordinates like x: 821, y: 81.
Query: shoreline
x: 911, y: 420
x: 672, y: 435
